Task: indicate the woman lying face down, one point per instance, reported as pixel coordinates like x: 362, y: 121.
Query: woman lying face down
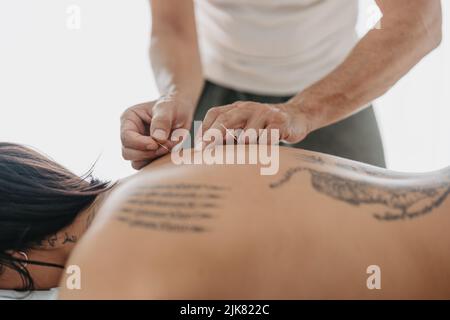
x: 312, y: 230
x: 44, y: 210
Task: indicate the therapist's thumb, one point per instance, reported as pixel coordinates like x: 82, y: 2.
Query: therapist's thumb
x: 161, y: 124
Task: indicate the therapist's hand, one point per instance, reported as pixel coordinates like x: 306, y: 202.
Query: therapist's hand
x: 293, y: 124
x: 146, y: 128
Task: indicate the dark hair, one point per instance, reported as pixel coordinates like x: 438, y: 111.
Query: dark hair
x: 38, y: 198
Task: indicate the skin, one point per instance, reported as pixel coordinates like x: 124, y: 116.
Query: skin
x: 227, y: 232
x: 409, y: 31
x: 55, y: 248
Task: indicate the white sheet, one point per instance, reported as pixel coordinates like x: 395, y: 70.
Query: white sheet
x: 35, y: 295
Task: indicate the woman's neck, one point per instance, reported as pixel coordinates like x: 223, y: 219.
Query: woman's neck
x: 67, y: 238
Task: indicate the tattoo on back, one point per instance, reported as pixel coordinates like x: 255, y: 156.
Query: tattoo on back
x: 349, y: 166
x: 180, y: 208
x: 392, y: 203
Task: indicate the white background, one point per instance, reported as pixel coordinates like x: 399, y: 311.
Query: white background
x: 62, y: 91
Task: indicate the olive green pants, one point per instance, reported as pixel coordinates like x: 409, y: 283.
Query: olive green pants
x: 356, y: 138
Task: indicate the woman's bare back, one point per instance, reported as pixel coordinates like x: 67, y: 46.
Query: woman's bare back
x: 310, y: 231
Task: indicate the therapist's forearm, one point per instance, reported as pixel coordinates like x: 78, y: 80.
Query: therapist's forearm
x: 379, y: 60
x: 176, y: 65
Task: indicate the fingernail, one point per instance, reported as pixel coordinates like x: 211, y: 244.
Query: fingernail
x: 179, y: 125
x: 159, y: 134
x: 152, y: 147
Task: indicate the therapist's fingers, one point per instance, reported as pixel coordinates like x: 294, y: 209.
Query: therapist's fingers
x: 293, y: 127
x: 162, y: 119
x: 212, y: 115
x: 138, y: 165
x: 274, y: 133
x: 133, y: 130
x: 227, y: 122
x: 209, y: 119
x: 148, y: 157
x: 289, y: 133
x: 268, y: 122
x: 134, y: 140
x: 250, y: 133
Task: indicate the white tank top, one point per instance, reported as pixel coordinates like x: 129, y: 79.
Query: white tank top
x: 274, y: 47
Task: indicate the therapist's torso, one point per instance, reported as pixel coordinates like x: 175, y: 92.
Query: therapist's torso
x: 274, y: 47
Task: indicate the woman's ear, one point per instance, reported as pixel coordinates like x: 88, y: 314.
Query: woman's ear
x: 43, y: 277
x: 9, y: 278
x: 21, y: 256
